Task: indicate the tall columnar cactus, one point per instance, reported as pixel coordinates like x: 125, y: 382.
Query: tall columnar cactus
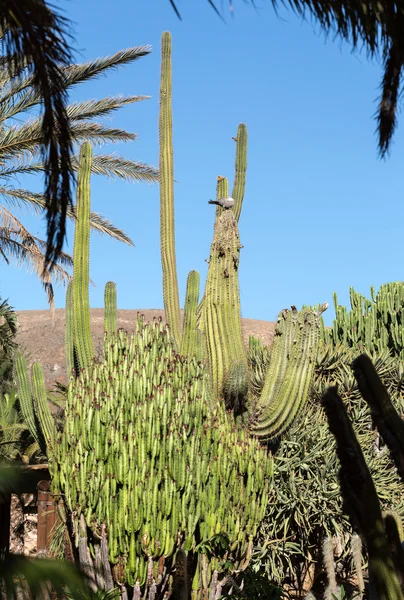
x: 371, y: 324
x: 83, y: 343
x: 71, y: 361
x: 110, y: 307
x: 188, y: 344
x: 167, y: 232
x: 220, y: 317
x: 169, y: 470
x: 240, y: 169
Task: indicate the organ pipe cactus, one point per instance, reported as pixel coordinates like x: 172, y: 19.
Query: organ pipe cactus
x: 188, y: 344
x: 83, y: 345
x: 146, y: 452
x: 374, y: 324
x: 170, y: 281
x: 110, y: 307
x: 219, y: 314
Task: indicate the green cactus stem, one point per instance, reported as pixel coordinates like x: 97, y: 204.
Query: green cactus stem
x: 71, y: 361
x: 289, y: 374
x: 167, y: 228
x: 110, y: 308
x: 220, y: 314
x: 240, y: 170
x: 190, y: 308
x: 81, y: 304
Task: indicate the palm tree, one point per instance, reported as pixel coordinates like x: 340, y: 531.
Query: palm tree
x: 376, y: 25
x: 35, y: 41
x: 21, y: 144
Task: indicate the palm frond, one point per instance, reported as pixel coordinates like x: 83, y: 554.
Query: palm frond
x: 73, y: 75
x: 103, y: 225
x: 35, y: 36
x: 122, y: 168
x: 26, y: 139
x: 23, y: 198
x: 100, y: 108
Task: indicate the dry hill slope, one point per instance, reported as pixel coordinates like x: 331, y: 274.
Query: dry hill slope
x: 43, y: 339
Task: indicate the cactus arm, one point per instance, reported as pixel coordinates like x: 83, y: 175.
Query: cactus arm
x: 167, y: 230
x: 110, y: 307
x: 360, y: 499
x: 384, y: 415
x: 81, y: 303
x: 69, y: 330
x: 287, y: 384
x: 240, y: 170
x: 42, y: 407
x: 21, y: 379
x: 190, y: 308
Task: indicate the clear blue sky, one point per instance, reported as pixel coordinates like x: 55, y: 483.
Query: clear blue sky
x: 321, y: 211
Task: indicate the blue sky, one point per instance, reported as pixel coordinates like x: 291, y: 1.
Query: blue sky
x: 321, y: 211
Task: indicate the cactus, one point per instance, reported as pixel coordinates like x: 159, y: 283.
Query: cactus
x: 240, y: 170
x: 170, y: 282
x: 220, y: 318
x: 168, y: 471
x: 219, y: 314
x: 374, y: 324
x: 191, y: 304
x: 110, y: 307
x: 71, y: 359
x: 83, y: 344
x: 34, y: 404
x: 289, y: 374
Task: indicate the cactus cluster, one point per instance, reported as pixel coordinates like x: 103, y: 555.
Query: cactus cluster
x: 216, y: 333
x: 375, y: 324
x: 145, y: 452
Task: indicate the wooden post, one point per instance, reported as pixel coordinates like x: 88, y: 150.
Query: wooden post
x: 48, y: 517
x: 5, y: 513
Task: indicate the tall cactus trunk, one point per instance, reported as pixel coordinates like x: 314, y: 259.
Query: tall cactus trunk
x: 81, y: 304
x: 167, y: 232
x: 110, y: 308
x: 220, y: 317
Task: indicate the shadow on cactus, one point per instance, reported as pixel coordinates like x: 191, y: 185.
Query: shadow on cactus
x: 380, y: 534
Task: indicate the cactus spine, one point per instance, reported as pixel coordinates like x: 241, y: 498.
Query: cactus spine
x: 81, y: 305
x: 167, y: 232
x: 110, y: 308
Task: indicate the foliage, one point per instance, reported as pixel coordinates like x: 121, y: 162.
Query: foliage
x: 305, y: 501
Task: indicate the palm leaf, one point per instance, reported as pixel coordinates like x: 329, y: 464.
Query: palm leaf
x: 34, y: 36
x: 23, y: 198
x: 73, y: 75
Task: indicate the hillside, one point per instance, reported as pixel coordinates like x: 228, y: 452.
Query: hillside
x: 43, y: 339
